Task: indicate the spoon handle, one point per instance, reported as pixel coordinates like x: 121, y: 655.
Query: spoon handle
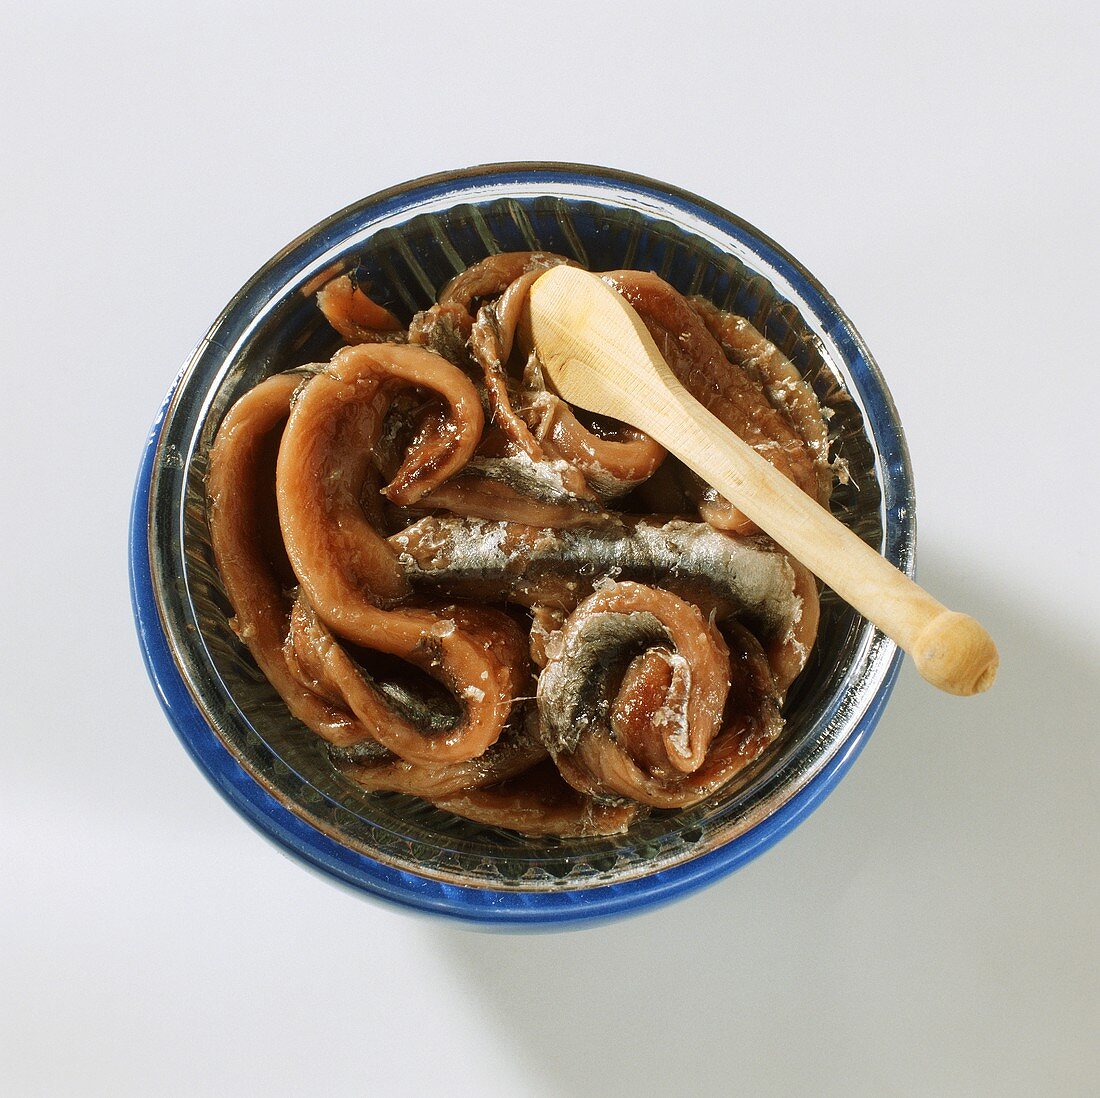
x: 951, y: 650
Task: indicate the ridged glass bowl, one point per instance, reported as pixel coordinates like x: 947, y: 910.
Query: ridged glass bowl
x: 409, y: 241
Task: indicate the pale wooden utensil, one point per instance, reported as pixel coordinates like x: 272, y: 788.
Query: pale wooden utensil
x: 599, y: 355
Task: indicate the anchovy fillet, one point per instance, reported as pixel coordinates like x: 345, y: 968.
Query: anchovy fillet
x: 744, y: 577
x: 579, y: 682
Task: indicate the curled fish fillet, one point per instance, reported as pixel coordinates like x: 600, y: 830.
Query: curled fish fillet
x: 634, y: 701
x: 349, y: 309
x: 612, y: 463
x: 314, y: 651
x: 249, y: 553
x: 491, y: 340
x: 540, y: 423
x: 490, y: 277
x: 348, y: 572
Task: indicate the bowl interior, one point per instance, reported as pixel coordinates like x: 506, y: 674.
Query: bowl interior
x: 408, y: 254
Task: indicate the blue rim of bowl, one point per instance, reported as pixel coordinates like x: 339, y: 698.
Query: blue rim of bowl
x: 480, y: 905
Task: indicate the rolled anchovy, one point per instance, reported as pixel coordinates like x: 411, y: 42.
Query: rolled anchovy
x: 576, y: 692
x: 744, y: 577
x: 633, y: 702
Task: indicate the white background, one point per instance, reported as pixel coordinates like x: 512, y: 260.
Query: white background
x: 932, y: 929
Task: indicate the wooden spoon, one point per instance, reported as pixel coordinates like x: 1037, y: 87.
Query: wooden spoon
x: 598, y: 354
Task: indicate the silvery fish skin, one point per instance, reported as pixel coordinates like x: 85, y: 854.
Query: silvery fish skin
x: 514, y: 488
x: 541, y: 480
x: 517, y: 750
x: 747, y: 577
x: 433, y: 718
x: 575, y: 689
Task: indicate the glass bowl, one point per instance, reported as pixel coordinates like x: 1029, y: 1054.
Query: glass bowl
x: 409, y: 241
